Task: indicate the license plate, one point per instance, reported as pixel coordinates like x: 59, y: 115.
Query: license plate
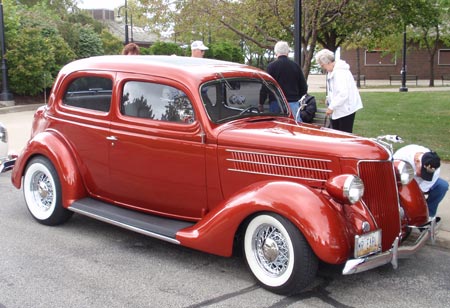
x: 367, y: 244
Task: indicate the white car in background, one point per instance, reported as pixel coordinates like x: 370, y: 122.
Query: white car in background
x: 6, y: 160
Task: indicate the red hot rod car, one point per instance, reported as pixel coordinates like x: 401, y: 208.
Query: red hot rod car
x: 176, y: 148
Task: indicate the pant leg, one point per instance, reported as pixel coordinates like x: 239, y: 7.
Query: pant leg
x: 274, y: 107
x: 344, y: 124
x: 435, y: 195
x: 294, y: 108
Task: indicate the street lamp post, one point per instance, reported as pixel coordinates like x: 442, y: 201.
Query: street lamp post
x: 6, y: 98
x: 126, y: 21
x: 403, y: 88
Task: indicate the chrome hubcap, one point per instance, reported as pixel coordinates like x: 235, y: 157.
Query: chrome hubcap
x: 271, y: 250
x: 42, y: 189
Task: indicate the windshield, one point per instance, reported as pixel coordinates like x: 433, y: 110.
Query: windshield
x: 232, y: 98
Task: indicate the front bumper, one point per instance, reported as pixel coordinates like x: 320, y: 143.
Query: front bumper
x: 392, y: 255
x: 7, y: 163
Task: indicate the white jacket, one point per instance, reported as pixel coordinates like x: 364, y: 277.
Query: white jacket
x: 343, y: 96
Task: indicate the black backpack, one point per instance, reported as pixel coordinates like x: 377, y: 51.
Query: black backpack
x: 308, y: 108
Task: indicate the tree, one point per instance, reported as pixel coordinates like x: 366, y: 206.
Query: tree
x: 225, y: 51
x: 163, y: 48
x: 111, y: 44
x: 36, y: 51
x: 255, y: 25
x: 432, y: 20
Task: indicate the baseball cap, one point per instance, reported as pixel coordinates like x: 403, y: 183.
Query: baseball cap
x: 430, y: 162
x: 198, y: 45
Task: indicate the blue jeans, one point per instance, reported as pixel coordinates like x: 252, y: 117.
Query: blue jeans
x: 294, y: 108
x: 435, y: 195
x: 274, y: 108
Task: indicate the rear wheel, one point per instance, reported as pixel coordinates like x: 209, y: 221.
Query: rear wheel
x: 278, y: 255
x: 42, y: 192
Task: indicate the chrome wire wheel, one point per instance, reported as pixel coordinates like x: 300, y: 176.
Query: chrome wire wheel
x: 39, y: 189
x: 278, y: 254
x: 42, y: 192
x: 271, y: 250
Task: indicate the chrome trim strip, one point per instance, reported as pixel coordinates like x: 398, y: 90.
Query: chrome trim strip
x: 276, y: 175
x: 392, y: 255
x: 125, y: 226
x: 277, y: 155
x: 301, y: 163
x: 276, y: 165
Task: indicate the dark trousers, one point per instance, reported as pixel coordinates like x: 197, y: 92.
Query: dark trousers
x: 344, y: 124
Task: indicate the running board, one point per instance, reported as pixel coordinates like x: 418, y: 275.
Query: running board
x: 150, y: 225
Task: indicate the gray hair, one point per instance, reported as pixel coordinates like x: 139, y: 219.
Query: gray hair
x: 325, y: 56
x: 282, y: 48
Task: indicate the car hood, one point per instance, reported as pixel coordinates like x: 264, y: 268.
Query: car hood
x: 284, y: 136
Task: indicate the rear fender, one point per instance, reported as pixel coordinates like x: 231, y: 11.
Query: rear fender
x: 49, y: 145
x: 321, y: 224
x: 414, y: 203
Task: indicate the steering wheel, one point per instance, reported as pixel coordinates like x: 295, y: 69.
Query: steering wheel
x: 250, y: 109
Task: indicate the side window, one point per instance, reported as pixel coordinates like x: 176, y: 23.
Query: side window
x: 89, y: 93
x: 156, y: 102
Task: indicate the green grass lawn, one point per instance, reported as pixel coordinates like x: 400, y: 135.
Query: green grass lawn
x: 417, y: 117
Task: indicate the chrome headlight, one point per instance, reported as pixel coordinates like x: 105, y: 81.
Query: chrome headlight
x: 403, y: 171
x: 345, y: 188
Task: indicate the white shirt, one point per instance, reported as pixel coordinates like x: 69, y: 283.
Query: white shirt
x: 407, y: 154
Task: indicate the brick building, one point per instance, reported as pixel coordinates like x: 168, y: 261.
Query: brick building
x: 376, y: 64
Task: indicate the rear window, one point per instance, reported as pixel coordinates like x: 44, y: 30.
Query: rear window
x: 90, y: 93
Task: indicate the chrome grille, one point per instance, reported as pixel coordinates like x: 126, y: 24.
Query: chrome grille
x: 381, y: 197
x: 304, y: 168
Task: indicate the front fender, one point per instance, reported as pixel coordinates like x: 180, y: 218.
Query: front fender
x: 49, y: 145
x: 414, y: 203
x: 322, y: 225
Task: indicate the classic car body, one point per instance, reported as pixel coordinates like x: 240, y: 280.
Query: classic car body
x: 7, y: 160
x: 176, y: 148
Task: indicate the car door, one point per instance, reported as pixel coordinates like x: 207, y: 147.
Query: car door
x: 84, y: 119
x: 157, y: 157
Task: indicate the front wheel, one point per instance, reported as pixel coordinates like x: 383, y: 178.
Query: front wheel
x: 42, y: 192
x: 278, y: 255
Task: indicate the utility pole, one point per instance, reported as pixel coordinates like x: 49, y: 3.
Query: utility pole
x: 298, y: 32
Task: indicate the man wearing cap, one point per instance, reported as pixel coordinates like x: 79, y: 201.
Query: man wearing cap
x: 198, y: 49
x: 426, y: 164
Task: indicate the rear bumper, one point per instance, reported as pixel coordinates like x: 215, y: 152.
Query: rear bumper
x: 392, y: 255
x: 7, y: 163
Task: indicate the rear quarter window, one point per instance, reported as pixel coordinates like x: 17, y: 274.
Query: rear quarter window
x: 92, y: 93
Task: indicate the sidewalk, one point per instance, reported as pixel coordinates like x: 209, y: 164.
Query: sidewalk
x: 19, y: 127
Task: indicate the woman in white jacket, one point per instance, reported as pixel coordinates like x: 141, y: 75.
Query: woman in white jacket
x: 343, y: 98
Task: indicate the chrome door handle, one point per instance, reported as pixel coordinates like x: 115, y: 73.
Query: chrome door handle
x: 111, y: 138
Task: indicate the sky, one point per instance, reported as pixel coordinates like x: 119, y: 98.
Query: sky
x: 100, y: 4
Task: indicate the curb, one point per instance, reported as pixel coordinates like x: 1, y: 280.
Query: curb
x: 19, y: 108
x: 443, y: 239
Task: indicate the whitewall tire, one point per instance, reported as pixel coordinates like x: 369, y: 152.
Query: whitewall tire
x: 278, y: 255
x: 42, y: 192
